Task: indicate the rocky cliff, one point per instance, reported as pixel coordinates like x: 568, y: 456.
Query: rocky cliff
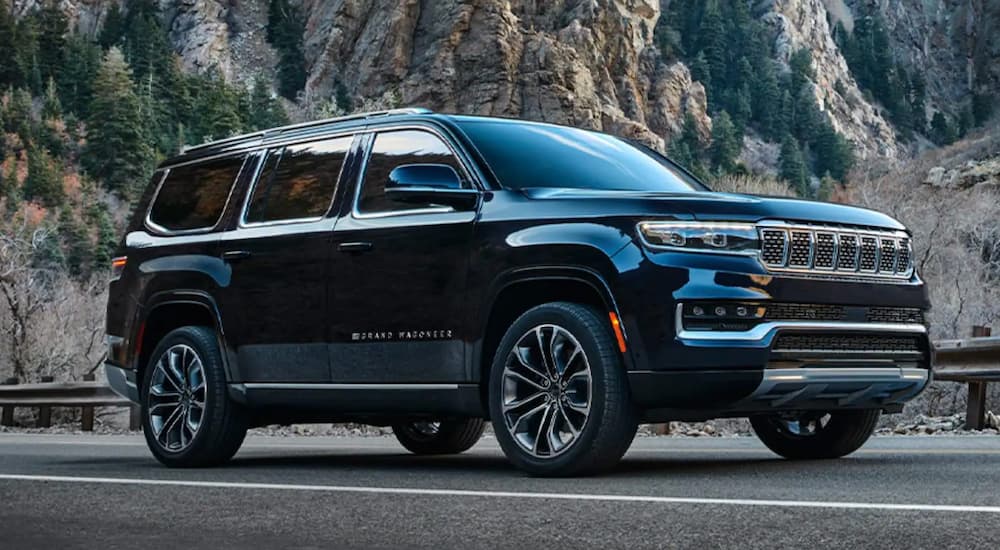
x: 590, y: 63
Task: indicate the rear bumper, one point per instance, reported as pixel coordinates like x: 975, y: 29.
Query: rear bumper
x: 684, y: 395
x: 122, y: 381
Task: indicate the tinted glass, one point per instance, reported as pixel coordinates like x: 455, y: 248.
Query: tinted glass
x: 298, y: 182
x: 392, y: 149
x: 193, y: 196
x: 539, y: 155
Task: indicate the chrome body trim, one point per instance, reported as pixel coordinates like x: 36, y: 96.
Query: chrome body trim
x: 346, y: 386
x: 118, y: 379
x: 764, y: 330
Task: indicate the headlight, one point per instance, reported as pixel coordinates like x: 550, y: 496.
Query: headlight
x: 718, y: 237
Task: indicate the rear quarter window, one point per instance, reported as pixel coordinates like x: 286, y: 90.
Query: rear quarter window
x: 192, y: 197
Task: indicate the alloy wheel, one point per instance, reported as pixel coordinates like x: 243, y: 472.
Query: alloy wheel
x: 177, y: 393
x: 547, y: 391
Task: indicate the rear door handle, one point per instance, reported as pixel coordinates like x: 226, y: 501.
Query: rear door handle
x: 355, y: 247
x: 235, y: 255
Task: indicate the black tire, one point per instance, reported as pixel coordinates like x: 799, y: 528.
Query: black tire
x: 447, y: 437
x: 222, y: 423
x: 608, y: 427
x: 843, y: 433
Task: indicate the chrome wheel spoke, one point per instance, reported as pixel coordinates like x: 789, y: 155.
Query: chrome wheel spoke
x: 525, y: 379
x: 546, y: 391
x: 176, y: 397
x: 520, y: 403
x: 542, y: 429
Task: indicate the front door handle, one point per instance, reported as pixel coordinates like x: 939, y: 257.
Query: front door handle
x: 235, y: 255
x: 355, y: 247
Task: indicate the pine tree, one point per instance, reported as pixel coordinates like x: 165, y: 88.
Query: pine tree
x: 76, y: 243
x: 52, y: 107
x: 75, y: 85
x: 918, y: 97
x: 807, y: 117
x: 218, y: 108
x: 52, y: 30
x: 97, y: 216
x: 285, y: 28
x: 793, y: 166
x: 726, y: 142
x: 265, y: 110
x: 114, y: 27
x: 766, y: 98
x: 342, y: 97
x: 942, y: 132
x: 117, y: 150
x: 712, y: 44
x: 44, y: 181
x: 834, y: 154
x: 10, y: 71
x: 800, y: 65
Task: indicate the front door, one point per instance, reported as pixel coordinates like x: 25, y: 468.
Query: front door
x: 399, y: 290
x: 275, y: 305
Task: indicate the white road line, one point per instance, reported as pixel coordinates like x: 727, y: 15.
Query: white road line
x: 514, y: 495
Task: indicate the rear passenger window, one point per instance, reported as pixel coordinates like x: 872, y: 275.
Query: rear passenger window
x: 298, y: 181
x: 392, y: 149
x: 194, y: 196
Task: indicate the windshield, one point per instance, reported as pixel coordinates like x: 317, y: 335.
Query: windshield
x: 524, y: 155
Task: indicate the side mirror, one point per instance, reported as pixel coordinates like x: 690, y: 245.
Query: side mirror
x: 429, y: 183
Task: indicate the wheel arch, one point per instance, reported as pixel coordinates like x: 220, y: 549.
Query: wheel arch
x: 169, y: 311
x: 524, y: 289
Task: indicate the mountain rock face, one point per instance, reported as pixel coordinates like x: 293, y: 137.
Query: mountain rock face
x: 954, y: 43
x: 588, y: 63
x: 804, y: 24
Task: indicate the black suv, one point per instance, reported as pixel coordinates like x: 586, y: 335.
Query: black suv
x: 430, y: 271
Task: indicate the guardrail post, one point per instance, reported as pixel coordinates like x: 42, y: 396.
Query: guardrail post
x: 134, y: 420
x: 87, y: 412
x: 975, y: 413
x: 45, y: 411
x: 7, y: 416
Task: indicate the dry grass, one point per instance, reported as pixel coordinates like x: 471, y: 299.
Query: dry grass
x: 752, y: 185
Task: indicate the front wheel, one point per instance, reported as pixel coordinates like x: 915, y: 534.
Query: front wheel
x: 815, y: 434
x: 445, y: 437
x: 558, y: 395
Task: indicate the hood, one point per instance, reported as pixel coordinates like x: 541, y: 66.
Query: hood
x: 704, y: 205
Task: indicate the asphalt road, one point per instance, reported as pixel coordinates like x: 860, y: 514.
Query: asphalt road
x: 107, y: 492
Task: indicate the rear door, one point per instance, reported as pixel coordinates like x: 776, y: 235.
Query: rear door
x: 275, y: 305
x: 398, y: 297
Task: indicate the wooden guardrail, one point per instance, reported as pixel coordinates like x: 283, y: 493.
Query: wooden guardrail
x: 44, y: 396
x: 975, y: 361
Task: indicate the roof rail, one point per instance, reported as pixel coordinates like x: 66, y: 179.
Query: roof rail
x: 265, y: 134
x: 347, y: 118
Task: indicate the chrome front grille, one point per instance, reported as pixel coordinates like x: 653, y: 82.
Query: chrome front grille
x: 836, y: 251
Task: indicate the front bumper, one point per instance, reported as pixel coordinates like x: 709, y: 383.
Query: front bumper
x: 716, y: 394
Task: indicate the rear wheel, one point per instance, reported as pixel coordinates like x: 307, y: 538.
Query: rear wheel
x: 187, y: 417
x: 559, y: 397
x: 815, y: 434
x: 439, y: 438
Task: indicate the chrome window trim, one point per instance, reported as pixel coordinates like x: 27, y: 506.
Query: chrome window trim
x: 157, y: 228
x: 762, y: 331
x: 266, y: 152
x: 370, y: 135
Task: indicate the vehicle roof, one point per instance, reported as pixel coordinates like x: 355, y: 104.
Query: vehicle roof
x: 261, y: 138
